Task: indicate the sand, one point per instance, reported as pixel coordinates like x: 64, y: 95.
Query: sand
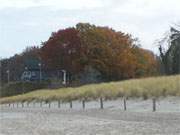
x: 112, y: 120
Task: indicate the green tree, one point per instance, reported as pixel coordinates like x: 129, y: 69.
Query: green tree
x: 171, y: 57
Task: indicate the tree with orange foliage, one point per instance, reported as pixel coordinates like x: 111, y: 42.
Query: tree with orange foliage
x: 113, y: 54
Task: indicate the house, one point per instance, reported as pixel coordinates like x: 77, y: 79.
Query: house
x: 37, y: 75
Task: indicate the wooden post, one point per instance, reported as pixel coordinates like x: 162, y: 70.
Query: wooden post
x: 83, y: 104
x: 22, y: 104
x: 34, y: 103
x: 125, y: 108
x: 13, y: 105
x: 154, y: 104
x: 71, y: 104
x: 49, y: 104
x: 101, y: 103
x: 59, y: 104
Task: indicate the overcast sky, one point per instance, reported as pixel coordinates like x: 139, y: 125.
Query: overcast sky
x: 29, y: 22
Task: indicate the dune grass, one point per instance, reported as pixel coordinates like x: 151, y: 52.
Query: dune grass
x: 145, y: 88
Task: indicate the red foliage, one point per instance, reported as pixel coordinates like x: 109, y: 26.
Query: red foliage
x: 62, y: 50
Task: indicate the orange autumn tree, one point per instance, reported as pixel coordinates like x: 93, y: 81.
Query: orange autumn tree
x: 147, y: 63
x: 113, y: 54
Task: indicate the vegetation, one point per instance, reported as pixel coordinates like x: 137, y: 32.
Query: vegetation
x: 146, y: 88
x: 170, y: 57
x: 91, y: 54
x: 29, y: 58
x: 15, y: 88
x: 113, y: 54
x: 85, y: 50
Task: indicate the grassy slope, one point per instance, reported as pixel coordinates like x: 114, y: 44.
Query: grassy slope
x: 149, y: 87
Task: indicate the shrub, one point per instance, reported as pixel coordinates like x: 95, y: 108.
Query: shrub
x: 16, y: 88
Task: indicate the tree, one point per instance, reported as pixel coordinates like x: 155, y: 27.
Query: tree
x: 63, y: 51
x: 16, y: 64
x: 171, y: 56
x: 175, y: 50
x: 147, y: 63
x: 115, y: 54
x: 108, y: 54
x: 103, y: 45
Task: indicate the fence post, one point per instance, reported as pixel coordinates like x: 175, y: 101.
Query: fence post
x: 27, y: 104
x: 83, y: 103
x: 34, y: 103
x: 154, y: 104
x: 101, y: 103
x: 22, y: 104
x: 49, y: 104
x: 9, y: 105
x: 59, y: 104
x: 13, y: 105
x: 125, y: 108
x: 71, y: 104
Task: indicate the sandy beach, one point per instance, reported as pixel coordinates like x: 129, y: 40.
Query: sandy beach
x: 112, y: 120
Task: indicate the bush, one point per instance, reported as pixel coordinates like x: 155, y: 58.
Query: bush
x: 16, y: 88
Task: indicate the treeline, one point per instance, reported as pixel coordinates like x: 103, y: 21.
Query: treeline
x: 16, y: 64
x: 93, y: 54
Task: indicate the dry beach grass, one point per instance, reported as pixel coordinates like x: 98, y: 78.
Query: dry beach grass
x: 146, y: 88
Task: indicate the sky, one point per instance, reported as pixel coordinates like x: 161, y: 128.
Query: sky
x: 29, y: 22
